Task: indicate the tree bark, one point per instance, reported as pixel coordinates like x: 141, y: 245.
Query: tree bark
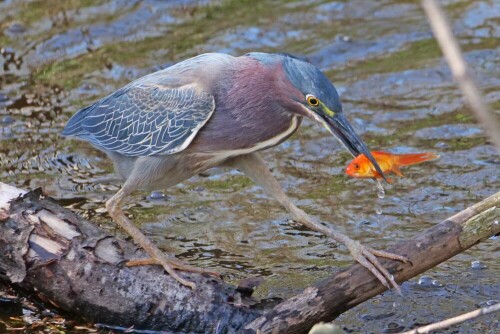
x: 74, y: 265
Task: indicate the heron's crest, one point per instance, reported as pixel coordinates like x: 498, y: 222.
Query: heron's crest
x: 310, y: 80
x: 304, y: 76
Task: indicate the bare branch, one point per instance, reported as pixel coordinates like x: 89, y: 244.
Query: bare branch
x: 460, y: 70
x: 455, y: 320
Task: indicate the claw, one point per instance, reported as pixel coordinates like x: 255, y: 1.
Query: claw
x: 388, y: 255
x: 367, y: 257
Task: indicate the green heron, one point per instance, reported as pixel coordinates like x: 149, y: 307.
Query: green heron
x: 216, y: 110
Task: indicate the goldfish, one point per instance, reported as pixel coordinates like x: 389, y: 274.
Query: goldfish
x: 361, y: 167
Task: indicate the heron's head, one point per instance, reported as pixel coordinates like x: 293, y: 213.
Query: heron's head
x: 315, y: 97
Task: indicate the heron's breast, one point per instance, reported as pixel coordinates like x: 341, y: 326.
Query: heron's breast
x: 242, y: 140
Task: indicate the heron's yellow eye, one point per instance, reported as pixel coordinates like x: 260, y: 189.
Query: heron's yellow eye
x: 312, y: 101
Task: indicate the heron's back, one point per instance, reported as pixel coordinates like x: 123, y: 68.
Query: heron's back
x: 159, y: 113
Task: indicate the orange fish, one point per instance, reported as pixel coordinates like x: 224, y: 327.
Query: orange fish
x: 361, y: 167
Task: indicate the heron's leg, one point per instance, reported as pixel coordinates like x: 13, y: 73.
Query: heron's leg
x: 254, y: 167
x: 114, y: 207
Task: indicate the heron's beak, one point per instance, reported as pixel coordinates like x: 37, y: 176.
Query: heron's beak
x: 340, y: 128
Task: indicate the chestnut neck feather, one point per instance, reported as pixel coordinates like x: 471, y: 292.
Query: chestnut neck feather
x: 250, y: 107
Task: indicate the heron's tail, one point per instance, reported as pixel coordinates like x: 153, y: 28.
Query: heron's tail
x: 74, y: 126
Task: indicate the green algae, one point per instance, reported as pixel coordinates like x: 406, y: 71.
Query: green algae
x: 416, y: 54
x: 231, y: 184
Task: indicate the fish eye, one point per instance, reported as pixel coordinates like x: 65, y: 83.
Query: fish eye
x: 312, y: 100
x: 356, y: 166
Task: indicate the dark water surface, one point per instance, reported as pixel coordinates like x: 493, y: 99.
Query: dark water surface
x: 58, y: 56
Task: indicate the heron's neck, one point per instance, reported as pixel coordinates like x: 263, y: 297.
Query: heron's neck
x: 248, y: 113
x: 251, y: 94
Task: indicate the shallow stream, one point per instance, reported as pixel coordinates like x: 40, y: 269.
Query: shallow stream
x: 59, y: 56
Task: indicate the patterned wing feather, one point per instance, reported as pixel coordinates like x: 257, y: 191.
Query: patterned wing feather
x: 144, y: 120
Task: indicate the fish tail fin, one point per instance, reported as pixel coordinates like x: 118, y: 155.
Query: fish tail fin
x: 415, y: 158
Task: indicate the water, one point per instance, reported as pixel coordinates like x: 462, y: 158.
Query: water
x: 478, y: 265
x: 157, y: 195
x: 380, y: 190
x: 56, y: 57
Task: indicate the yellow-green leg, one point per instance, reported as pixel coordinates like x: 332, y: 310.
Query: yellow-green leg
x: 114, y: 206
x: 254, y: 167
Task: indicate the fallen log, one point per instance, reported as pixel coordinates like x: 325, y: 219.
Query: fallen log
x: 74, y: 265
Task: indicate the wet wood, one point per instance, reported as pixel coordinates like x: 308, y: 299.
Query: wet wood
x: 68, y: 262
x: 71, y: 263
x: 333, y: 296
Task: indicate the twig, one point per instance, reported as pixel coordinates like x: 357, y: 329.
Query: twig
x: 460, y: 70
x: 455, y: 320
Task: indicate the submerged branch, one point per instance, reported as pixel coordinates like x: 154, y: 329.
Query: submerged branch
x: 455, y: 320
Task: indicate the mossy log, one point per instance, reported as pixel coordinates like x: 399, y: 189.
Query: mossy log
x: 76, y: 266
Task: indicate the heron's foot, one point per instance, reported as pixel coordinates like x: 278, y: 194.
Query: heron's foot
x: 119, y: 217
x: 174, y: 263
x: 367, y: 257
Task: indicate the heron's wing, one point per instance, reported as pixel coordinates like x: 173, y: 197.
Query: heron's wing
x: 143, y: 120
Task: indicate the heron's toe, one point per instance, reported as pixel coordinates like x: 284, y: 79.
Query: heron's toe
x: 367, y: 257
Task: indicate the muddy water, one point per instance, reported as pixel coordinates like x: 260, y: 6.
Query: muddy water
x: 59, y: 56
